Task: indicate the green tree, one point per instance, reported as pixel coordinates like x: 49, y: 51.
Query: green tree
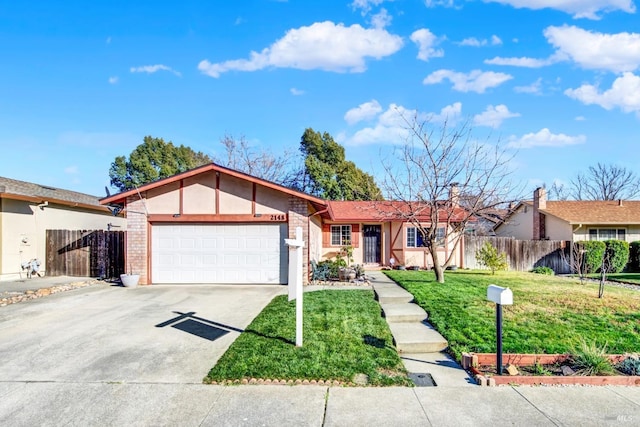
x: 152, y: 160
x: 489, y: 256
x: 327, y: 173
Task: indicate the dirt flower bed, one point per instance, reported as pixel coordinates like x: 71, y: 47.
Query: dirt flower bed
x: 550, y: 369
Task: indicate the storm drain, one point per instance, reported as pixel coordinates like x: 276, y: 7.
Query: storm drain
x: 422, y: 380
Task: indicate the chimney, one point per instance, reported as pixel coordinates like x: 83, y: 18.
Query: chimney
x: 619, y: 202
x: 454, y: 193
x: 539, y: 202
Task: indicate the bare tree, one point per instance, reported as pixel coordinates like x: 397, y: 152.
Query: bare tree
x: 605, y: 182
x: 241, y: 156
x: 445, y: 177
x: 575, y: 259
x: 557, y: 191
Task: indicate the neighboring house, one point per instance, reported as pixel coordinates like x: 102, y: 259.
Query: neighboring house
x: 27, y: 210
x: 217, y: 225
x: 573, y: 220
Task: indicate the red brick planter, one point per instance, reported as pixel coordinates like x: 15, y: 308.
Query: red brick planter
x: 471, y: 361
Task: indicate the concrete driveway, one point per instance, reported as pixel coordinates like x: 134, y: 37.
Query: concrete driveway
x: 155, y: 334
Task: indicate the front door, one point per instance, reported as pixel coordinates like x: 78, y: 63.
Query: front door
x: 372, y: 247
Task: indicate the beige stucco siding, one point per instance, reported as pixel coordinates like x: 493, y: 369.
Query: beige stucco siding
x: 557, y: 229
x: 163, y: 200
x: 582, y: 233
x: 235, y: 195
x: 199, y: 194
x: 23, y: 230
x: 519, y: 225
x: 315, y: 239
x: 270, y: 201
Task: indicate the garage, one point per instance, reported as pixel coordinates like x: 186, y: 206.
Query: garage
x: 218, y: 253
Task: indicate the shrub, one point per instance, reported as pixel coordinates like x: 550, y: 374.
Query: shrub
x: 333, y: 266
x: 590, y: 359
x: 488, y: 256
x: 617, y: 255
x: 593, y: 253
x: 543, y: 270
x: 634, y: 256
x: 630, y: 365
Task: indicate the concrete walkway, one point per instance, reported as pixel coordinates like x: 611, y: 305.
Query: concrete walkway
x: 419, y: 344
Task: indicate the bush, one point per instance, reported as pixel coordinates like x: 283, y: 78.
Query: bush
x: 634, y: 257
x: 488, y: 256
x: 630, y: 365
x: 543, y: 270
x: 594, y: 251
x: 617, y: 255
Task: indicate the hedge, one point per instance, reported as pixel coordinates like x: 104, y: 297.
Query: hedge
x: 617, y: 254
x: 594, y: 251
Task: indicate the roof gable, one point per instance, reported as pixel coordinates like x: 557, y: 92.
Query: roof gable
x: 121, y: 197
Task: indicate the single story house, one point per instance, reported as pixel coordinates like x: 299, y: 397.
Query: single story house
x: 572, y: 220
x: 28, y: 210
x: 213, y: 224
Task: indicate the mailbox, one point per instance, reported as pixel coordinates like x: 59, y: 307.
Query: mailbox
x: 500, y: 295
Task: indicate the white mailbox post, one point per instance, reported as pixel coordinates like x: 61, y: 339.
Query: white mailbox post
x: 295, y: 279
x: 501, y: 296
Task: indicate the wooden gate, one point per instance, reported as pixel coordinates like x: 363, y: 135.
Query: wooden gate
x: 85, y: 253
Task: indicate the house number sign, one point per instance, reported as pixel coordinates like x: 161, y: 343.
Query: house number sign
x: 278, y: 217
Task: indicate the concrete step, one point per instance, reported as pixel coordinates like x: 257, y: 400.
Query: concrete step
x: 404, y: 312
x: 391, y: 294
x: 417, y: 338
x: 445, y: 371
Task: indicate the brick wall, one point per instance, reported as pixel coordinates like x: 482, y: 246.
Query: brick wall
x: 137, y: 256
x: 298, y: 212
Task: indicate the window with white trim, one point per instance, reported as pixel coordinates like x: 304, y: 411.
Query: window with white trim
x: 416, y: 240
x: 340, y: 235
x: 607, y: 234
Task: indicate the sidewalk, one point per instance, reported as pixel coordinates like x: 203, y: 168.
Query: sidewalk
x: 105, y: 404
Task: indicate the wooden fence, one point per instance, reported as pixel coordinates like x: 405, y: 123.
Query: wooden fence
x: 85, y: 253
x: 522, y: 255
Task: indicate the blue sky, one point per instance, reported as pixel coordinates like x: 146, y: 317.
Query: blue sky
x: 556, y: 82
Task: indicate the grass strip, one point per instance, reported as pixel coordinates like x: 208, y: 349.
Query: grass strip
x: 549, y: 314
x: 344, y: 335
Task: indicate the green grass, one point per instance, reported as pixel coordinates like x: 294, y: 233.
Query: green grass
x: 633, y: 278
x: 344, y: 334
x: 549, y: 314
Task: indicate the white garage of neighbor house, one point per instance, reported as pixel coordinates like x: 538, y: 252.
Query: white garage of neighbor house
x: 28, y: 210
x: 215, y: 225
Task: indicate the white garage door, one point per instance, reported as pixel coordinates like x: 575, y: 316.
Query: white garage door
x: 220, y: 253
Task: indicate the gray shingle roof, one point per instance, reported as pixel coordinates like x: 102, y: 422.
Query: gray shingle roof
x: 10, y: 187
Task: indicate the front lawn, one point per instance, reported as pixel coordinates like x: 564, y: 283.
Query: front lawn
x: 344, y: 335
x: 633, y: 278
x: 549, y: 314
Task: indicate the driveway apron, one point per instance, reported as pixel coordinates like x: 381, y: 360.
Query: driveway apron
x: 151, y: 334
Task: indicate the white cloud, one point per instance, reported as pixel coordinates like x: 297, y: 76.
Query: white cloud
x: 624, y: 94
x: 113, y: 80
x: 365, y: 5
x: 450, y: 114
x: 150, y: 69
x: 71, y: 170
x: 578, y: 8
x: 523, y: 61
x: 614, y: 52
x: 494, y: 116
x: 392, y: 125
x: 474, y: 81
x: 426, y: 41
x: 365, y: 111
x: 296, y: 92
x: 580, y: 119
x: 381, y: 19
x: 444, y: 3
x: 544, y: 138
x: 534, y: 88
x: 474, y: 42
x: 322, y: 45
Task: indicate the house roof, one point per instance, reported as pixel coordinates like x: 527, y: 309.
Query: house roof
x: 37, y: 193
x: 594, y: 212
x: 122, y: 197
x: 379, y: 211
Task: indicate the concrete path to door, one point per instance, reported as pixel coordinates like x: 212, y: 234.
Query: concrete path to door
x: 103, y: 333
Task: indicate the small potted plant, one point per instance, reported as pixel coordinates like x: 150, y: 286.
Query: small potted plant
x: 130, y: 280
